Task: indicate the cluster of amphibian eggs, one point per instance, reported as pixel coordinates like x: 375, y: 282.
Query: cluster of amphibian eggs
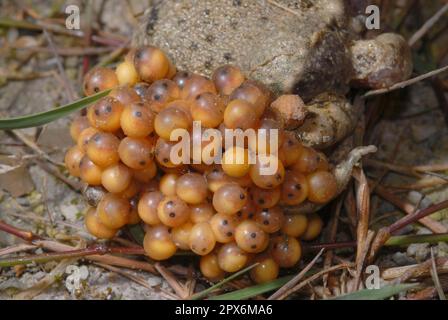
x: 229, y: 214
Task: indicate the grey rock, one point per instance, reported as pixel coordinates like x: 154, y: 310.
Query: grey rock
x: 301, y: 47
x: 402, y: 259
x: 420, y: 251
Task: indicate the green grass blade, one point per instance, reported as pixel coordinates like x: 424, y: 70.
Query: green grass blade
x: 253, y: 291
x: 39, y: 119
x: 204, y: 293
x: 377, y: 294
x: 419, y: 238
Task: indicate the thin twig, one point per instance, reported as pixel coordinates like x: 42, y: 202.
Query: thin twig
x: 411, y: 272
x: 312, y: 278
x: 46, y: 257
x: 409, y: 209
x: 106, y: 258
x: 16, y: 248
x: 112, y: 55
x: 428, y: 25
x: 78, y: 253
x: 384, y: 233
x: 15, y: 76
x: 363, y: 206
x: 49, y: 278
x: 291, y: 283
x: 418, y: 215
x: 391, y: 242
x: 435, y: 277
x: 424, y: 183
x: 406, y: 170
x: 403, y: 84
x: 32, y: 145
x: 278, y: 5
x: 409, y: 170
x: 404, y: 273
x: 172, y: 281
x: 75, y: 185
x: 39, y: 25
x: 71, y: 51
x: 190, y: 284
x: 332, y: 230
x: 139, y: 280
x: 70, y: 91
x: 22, y: 234
x: 362, y: 258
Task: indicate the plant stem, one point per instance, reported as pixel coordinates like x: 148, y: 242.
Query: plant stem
x: 205, y: 292
x: 411, y: 218
x: 393, y: 241
x: 25, y: 235
x: 421, y: 238
x: 90, y: 251
x: 47, y: 257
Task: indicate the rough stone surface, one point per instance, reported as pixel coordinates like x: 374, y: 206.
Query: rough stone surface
x: 305, y: 47
x: 300, y: 47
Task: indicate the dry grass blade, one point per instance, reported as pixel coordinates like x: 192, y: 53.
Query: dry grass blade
x: 124, y: 262
x: 414, y: 272
x: 291, y: 283
x: 106, y: 259
x: 60, y: 247
x: 206, y: 292
x: 435, y: 277
x: 278, y: 5
x: 409, y: 209
x: 46, y: 257
x: 414, y: 171
x: 417, y: 215
x: 428, y: 25
x: 112, y: 55
x: 401, y: 274
x: 172, y: 281
x: 190, y: 284
x: 22, y: 234
x: 75, y: 185
x: 70, y: 91
x: 139, y: 280
x: 312, y: 278
x: 16, y: 249
x: 421, y: 184
x: 33, y: 146
x: 405, y: 170
x: 363, y: 206
x: 69, y: 51
x: 362, y: 258
x: 403, y: 84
